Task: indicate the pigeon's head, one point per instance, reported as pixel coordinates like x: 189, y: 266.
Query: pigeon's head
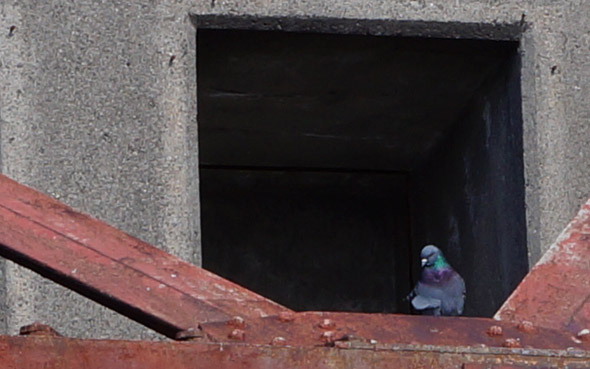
x: 431, y: 256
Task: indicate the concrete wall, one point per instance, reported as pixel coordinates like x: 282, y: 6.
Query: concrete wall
x: 95, y: 111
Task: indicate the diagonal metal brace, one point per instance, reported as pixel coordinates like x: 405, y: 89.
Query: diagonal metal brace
x: 115, y: 269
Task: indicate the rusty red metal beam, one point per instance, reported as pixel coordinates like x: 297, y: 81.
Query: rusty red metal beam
x: 233, y: 327
x: 556, y: 292
x: 114, y: 268
x: 64, y: 353
x: 384, y: 331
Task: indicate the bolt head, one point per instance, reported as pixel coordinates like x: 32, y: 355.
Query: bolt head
x: 189, y: 334
x: 38, y: 329
x: 584, y: 334
x: 237, y: 334
x: 327, y: 324
x: 278, y: 341
x: 495, y: 331
x: 512, y: 343
x: 526, y: 326
x: 327, y: 336
x: 237, y: 321
x: 286, y: 316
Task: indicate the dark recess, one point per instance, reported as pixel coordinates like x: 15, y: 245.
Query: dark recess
x: 327, y: 162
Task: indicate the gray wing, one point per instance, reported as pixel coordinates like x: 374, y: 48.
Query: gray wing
x: 423, y: 303
x: 454, y: 296
x: 450, y: 296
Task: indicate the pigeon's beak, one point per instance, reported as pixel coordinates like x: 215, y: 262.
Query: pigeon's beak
x: 424, y: 261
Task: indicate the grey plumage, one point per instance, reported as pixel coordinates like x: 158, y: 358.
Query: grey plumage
x: 440, y: 290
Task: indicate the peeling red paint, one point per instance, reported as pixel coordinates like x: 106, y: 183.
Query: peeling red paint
x: 115, y: 269
x: 64, y: 353
x: 556, y: 292
x: 387, y: 330
x: 544, y: 324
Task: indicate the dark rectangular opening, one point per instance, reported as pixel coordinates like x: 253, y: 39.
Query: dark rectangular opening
x: 328, y: 160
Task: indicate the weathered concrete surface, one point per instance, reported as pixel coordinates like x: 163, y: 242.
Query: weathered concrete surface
x: 556, y: 292
x: 94, y: 115
x: 95, y: 111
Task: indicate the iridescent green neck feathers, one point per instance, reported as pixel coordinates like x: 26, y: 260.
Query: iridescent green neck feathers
x: 440, y: 263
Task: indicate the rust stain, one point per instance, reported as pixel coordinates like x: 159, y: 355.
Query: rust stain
x: 495, y: 330
x: 556, y: 292
x: 64, y: 353
x: 115, y: 269
x: 385, y: 330
x: 38, y: 329
x: 544, y: 324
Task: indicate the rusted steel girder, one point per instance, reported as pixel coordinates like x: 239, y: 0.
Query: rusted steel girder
x: 556, y: 292
x: 63, y: 353
x: 119, y: 271
x: 236, y: 328
x: 378, y: 331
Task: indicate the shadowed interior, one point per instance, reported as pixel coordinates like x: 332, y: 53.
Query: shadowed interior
x: 327, y: 162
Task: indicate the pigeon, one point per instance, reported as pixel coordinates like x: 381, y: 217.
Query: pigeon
x: 440, y: 290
